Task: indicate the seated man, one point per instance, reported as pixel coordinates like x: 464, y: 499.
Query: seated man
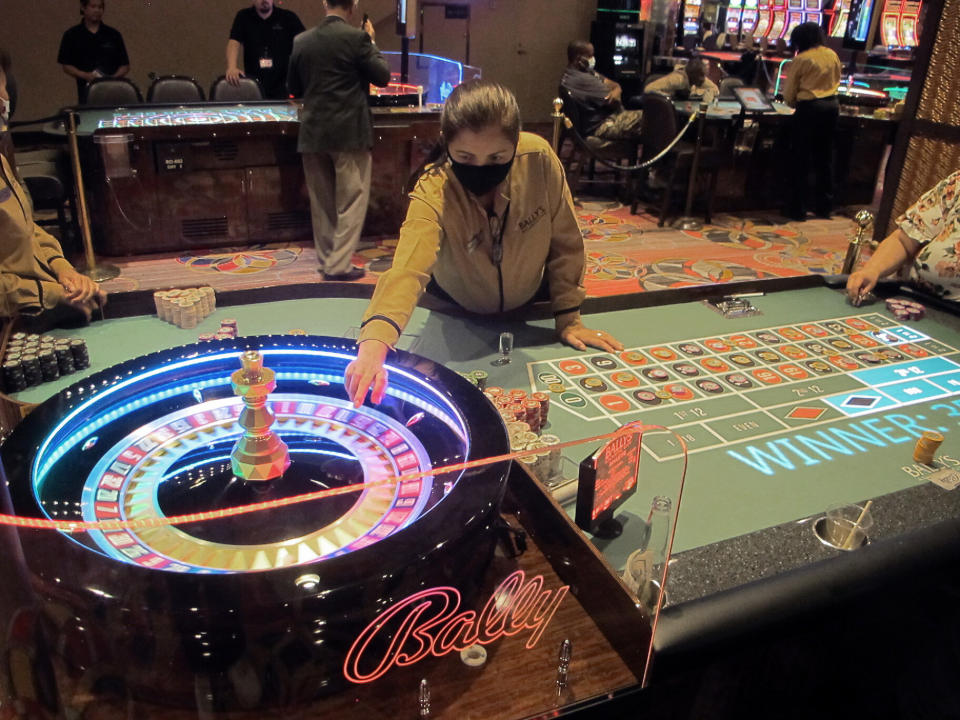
x: 605, y: 117
x: 36, y: 281
x: 689, y: 81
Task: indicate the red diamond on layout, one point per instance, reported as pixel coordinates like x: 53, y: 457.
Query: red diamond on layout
x: 806, y: 413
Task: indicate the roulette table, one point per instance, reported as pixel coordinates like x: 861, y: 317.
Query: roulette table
x: 804, y: 404
x: 148, y: 588
x: 167, y: 178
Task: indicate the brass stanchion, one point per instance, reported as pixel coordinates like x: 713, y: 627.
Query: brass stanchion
x: 101, y: 272
x: 852, y: 259
x: 558, y: 118
x: 688, y: 222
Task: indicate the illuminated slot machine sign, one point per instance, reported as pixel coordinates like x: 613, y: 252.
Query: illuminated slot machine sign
x: 734, y: 11
x: 909, y: 18
x: 764, y: 18
x: 794, y: 16
x: 749, y: 16
x: 779, y: 13
x: 608, y: 478
x: 890, y: 23
x: 626, y: 56
x: 813, y: 13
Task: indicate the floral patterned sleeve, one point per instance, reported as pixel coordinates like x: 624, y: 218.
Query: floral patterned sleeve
x: 934, y: 222
x: 935, y: 213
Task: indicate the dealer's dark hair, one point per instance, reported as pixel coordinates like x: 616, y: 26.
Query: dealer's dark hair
x: 344, y: 4
x: 805, y: 36
x: 576, y: 50
x: 474, y: 105
x: 4, y: 60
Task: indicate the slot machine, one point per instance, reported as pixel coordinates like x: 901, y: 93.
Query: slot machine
x: 749, y: 17
x: 734, y: 11
x: 764, y: 18
x: 890, y: 23
x: 814, y: 12
x: 838, y: 19
x: 909, y: 18
x: 691, y: 17
x: 794, y: 16
x: 779, y: 19
x: 619, y: 48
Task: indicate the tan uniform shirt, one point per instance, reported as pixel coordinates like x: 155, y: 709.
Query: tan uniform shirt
x: 678, y: 80
x: 449, y: 235
x: 29, y: 256
x: 813, y: 74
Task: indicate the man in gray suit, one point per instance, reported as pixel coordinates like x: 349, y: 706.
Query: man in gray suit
x: 330, y: 68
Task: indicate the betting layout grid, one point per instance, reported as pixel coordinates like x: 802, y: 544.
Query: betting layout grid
x: 788, y: 376
x: 207, y: 116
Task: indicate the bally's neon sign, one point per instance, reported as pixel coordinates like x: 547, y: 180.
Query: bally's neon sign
x: 430, y: 623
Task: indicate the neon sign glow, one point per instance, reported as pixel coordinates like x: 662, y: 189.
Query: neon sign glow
x: 429, y: 622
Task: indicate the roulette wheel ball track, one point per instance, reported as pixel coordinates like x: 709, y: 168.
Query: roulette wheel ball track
x: 258, y: 609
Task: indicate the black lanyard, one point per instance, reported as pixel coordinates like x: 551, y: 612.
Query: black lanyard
x: 497, y: 253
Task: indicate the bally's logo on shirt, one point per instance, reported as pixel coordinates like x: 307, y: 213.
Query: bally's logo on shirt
x: 5, y: 194
x: 531, y: 219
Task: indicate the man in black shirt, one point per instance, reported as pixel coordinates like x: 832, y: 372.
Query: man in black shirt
x: 266, y: 34
x: 599, y: 97
x: 92, y: 49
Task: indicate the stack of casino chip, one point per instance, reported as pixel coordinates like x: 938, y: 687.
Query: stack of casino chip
x: 905, y: 309
x: 228, y: 330
x: 927, y: 445
x: 185, y: 307
x: 516, y: 406
x: 33, y: 359
x: 476, y: 377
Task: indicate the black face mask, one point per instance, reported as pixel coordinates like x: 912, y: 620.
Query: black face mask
x: 481, y: 179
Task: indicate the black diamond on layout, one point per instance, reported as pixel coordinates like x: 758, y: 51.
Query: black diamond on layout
x: 861, y: 401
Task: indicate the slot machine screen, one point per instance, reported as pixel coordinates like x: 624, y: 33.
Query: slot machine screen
x: 858, y: 22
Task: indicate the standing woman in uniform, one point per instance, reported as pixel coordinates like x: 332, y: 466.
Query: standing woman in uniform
x: 490, y: 227
x: 811, y: 88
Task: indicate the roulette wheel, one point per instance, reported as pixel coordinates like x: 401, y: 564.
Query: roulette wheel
x: 155, y: 582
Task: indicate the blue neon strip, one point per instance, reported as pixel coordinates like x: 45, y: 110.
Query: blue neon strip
x: 39, y: 472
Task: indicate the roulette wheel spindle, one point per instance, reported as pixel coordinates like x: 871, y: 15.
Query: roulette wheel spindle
x: 259, y: 454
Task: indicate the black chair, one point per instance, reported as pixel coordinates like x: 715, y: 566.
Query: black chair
x: 113, y: 92
x: 727, y: 85
x: 174, y: 89
x: 47, y: 178
x: 248, y: 90
x: 660, y: 127
x: 586, y: 149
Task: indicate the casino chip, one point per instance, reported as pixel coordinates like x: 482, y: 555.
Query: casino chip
x: 905, y: 309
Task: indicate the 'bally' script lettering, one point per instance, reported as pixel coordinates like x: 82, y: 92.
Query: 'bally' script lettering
x: 429, y: 622
x: 529, y: 221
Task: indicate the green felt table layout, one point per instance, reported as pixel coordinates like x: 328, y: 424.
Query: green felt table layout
x: 810, y: 403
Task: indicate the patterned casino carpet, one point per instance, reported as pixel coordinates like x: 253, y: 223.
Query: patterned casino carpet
x: 625, y: 253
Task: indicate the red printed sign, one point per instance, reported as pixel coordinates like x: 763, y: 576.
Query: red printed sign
x: 607, y: 478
